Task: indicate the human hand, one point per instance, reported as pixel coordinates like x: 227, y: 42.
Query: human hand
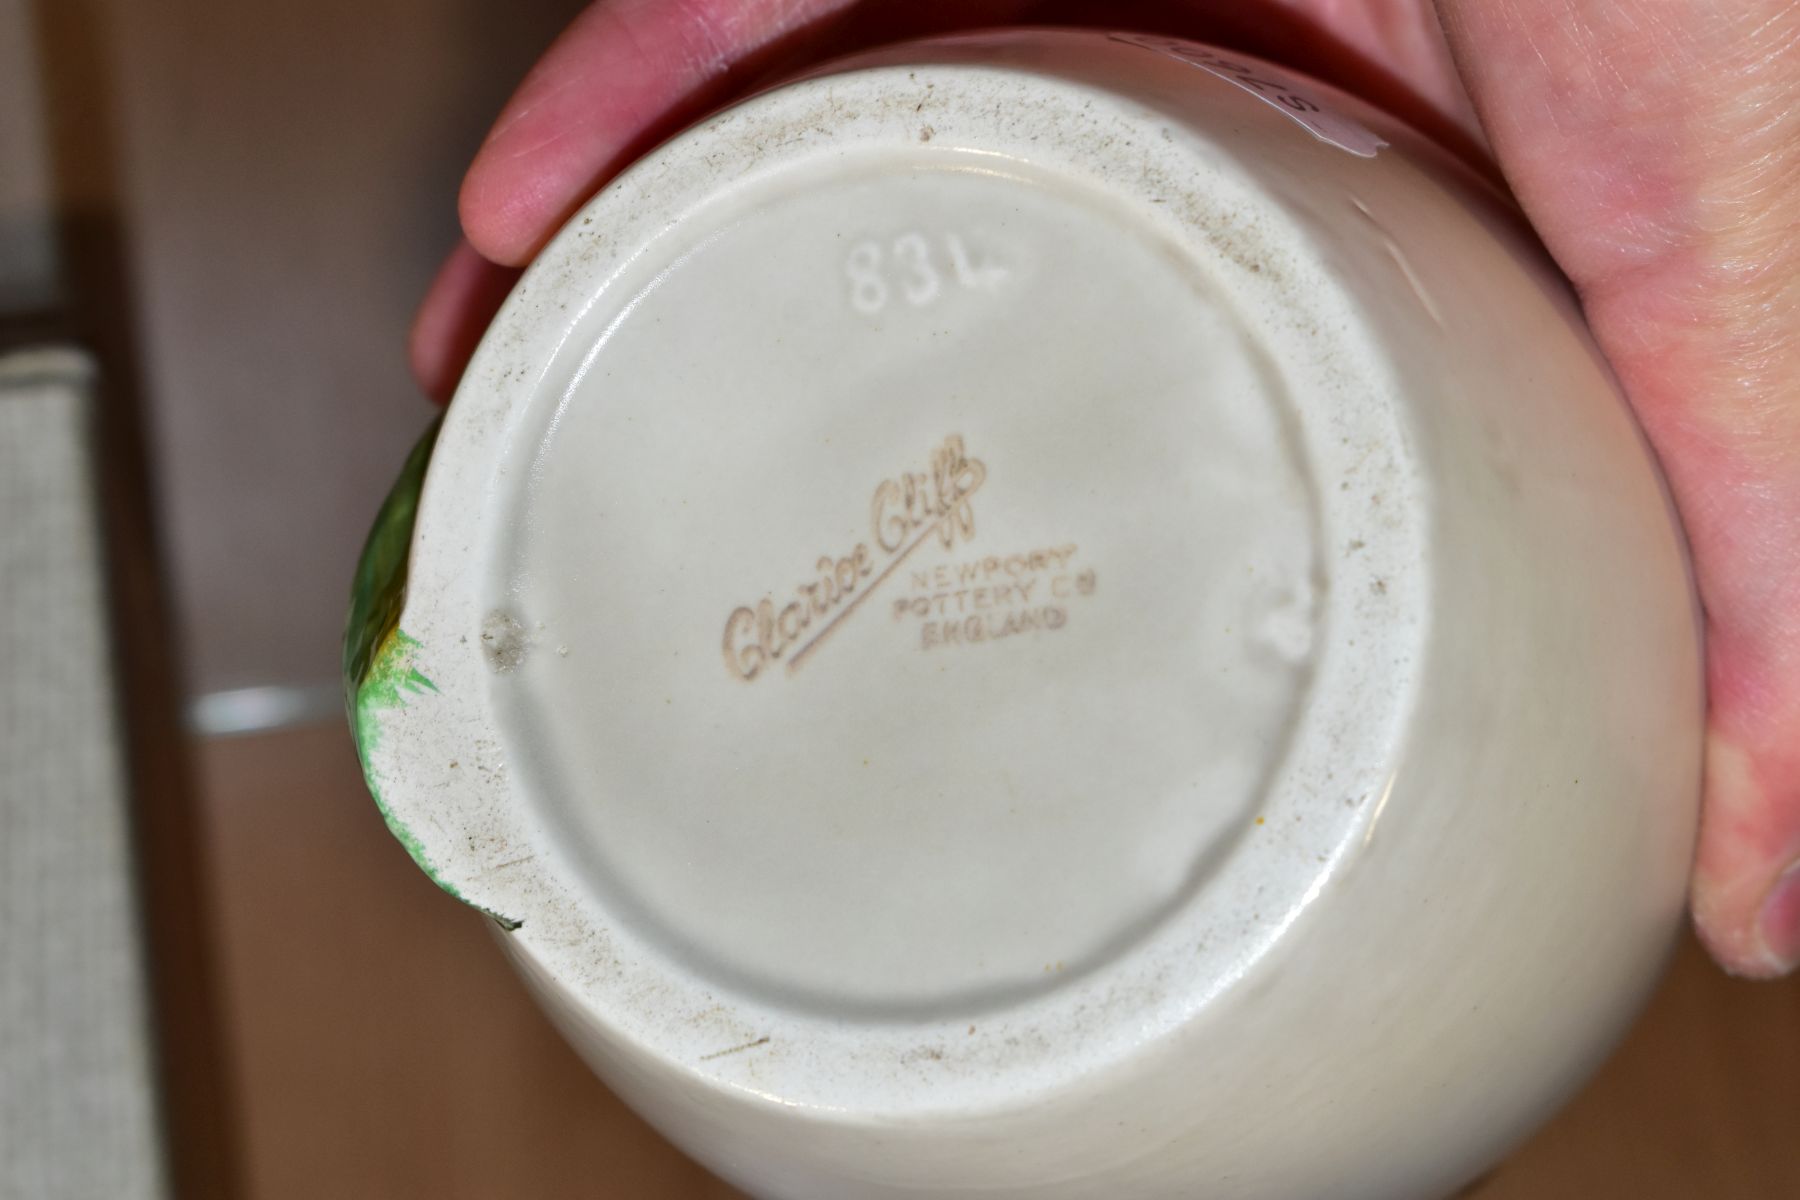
x: 1655, y: 146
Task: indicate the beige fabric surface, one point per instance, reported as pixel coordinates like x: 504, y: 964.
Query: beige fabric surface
x: 77, y: 1109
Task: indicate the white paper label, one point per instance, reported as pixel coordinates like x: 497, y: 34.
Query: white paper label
x: 1273, y: 87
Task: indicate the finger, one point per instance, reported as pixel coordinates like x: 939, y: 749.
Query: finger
x: 463, y: 297
x: 623, y: 72
x: 1657, y: 148
x: 628, y: 71
x: 1404, y: 42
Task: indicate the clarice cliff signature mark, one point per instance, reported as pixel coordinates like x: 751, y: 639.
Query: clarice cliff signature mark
x: 903, y: 513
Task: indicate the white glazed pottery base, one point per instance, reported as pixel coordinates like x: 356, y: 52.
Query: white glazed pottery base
x: 965, y: 750
x: 909, y: 603
x: 919, y: 608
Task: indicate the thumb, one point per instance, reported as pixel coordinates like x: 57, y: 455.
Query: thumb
x: 1656, y: 146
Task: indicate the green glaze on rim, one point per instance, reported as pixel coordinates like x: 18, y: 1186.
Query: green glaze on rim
x: 379, y: 670
x: 379, y: 590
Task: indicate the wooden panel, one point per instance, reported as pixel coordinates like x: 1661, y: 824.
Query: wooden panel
x: 27, y: 251
x: 384, y: 1050
x: 279, y: 181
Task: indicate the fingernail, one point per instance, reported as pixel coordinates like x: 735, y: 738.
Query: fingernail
x: 1780, y: 921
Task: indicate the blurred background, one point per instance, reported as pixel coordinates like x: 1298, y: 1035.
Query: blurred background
x: 218, y: 975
